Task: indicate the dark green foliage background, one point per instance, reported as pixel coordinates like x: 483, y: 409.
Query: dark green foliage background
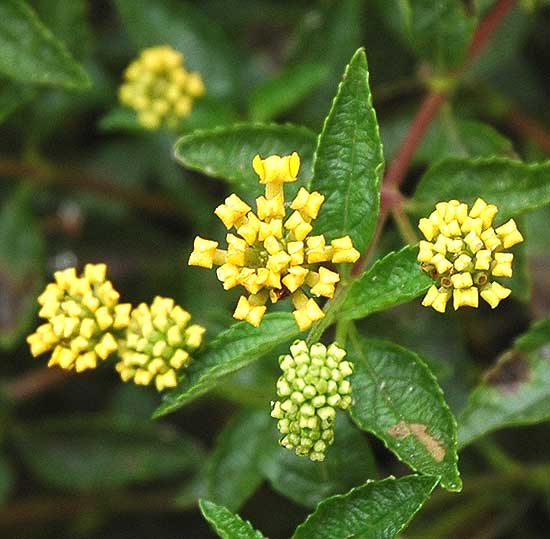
x: 80, y: 456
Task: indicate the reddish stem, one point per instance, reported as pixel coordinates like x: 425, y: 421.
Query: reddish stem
x: 487, y: 27
x: 529, y: 128
x: 422, y: 120
x: 429, y: 108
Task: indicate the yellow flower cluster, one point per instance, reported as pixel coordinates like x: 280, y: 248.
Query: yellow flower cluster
x: 272, y: 255
x: 157, y: 344
x: 159, y: 88
x: 463, y: 252
x: 85, y: 323
x: 82, y: 313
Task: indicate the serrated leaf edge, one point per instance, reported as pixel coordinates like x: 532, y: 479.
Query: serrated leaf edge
x: 332, y: 111
x: 390, y: 479
x: 235, y: 128
x: 423, y: 364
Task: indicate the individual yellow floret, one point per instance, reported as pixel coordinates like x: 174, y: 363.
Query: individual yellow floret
x: 158, y: 343
x: 462, y: 252
x: 203, y: 253
x: 343, y: 251
x: 83, y: 319
x: 232, y: 211
x: 272, y: 255
x: 277, y: 169
x: 494, y: 292
x: 159, y: 88
x: 247, y: 310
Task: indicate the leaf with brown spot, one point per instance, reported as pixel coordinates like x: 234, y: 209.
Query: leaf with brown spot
x: 511, y: 370
x: 403, y: 430
x: 398, y: 399
x: 514, y: 392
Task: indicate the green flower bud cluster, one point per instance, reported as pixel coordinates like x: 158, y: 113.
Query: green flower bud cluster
x: 313, y: 384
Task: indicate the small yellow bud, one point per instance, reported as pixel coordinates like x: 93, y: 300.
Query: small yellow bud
x: 483, y: 259
x: 428, y: 228
x: 503, y: 266
x: 270, y: 208
x: 203, y: 253
x: 494, y: 293
x: 295, y: 278
x: 425, y: 252
x: 343, y: 250
x: 462, y: 262
x: 308, y: 204
x: 252, y: 314
x: 232, y: 211
x: 490, y: 239
x: 509, y: 234
x: 308, y: 314
x: 478, y: 207
x: 106, y: 346
x: 462, y: 280
x: 277, y: 169
x: 467, y: 297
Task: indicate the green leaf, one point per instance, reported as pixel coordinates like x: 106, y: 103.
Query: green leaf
x: 438, y: 31
x: 12, y: 96
x: 120, y: 119
x: 376, y: 510
x: 233, y: 473
x: 230, y: 351
x: 515, y: 187
x: 392, y: 280
x: 348, y: 462
x: 227, y: 152
x: 446, y: 136
x: 349, y: 161
x: 21, y: 265
x: 397, y: 398
x: 30, y: 53
x: 97, y: 453
x: 516, y: 391
x: 226, y: 524
x: 279, y: 95
x: 68, y: 21
x: 537, y: 336
x: 184, y: 27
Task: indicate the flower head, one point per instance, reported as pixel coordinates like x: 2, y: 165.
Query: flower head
x: 83, y: 317
x: 159, y: 88
x: 463, y: 253
x: 271, y: 254
x: 157, y: 344
x: 313, y: 385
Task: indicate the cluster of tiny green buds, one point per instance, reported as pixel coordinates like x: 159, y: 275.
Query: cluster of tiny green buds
x: 313, y: 384
x: 157, y: 344
x: 159, y: 88
x: 83, y: 317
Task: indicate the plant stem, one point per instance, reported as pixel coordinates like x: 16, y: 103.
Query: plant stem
x: 426, y: 113
x: 404, y: 225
